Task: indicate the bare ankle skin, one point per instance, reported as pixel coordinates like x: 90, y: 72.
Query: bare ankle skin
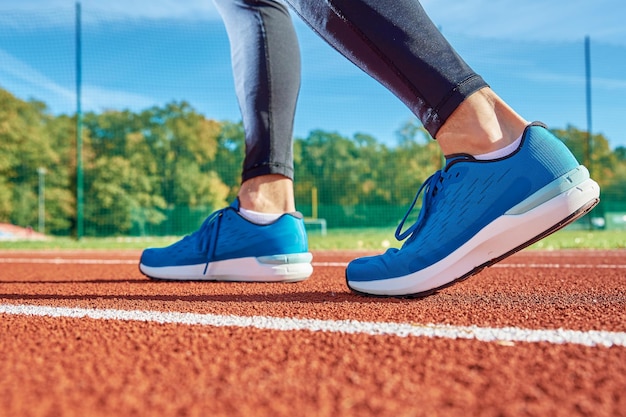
x: 268, y: 194
x: 482, y: 123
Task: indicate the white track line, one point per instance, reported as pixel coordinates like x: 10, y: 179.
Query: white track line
x: 507, y: 265
x: 65, y: 261
x: 504, y: 335
x: 62, y: 261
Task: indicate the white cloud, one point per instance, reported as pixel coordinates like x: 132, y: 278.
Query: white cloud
x: 153, y: 9
x: 97, y: 11
x: 608, y: 84
x: 97, y: 99
x: 553, y: 20
x: 23, y: 80
x: 21, y: 74
x: 532, y: 19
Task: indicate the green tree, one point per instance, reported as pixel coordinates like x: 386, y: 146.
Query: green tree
x: 107, y: 189
x: 6, y: 197
x: 60, y: 175
x: 603, y: 160
x: 177, y: 135
x: 330, y: 162
x: 417, y: 156
x: 229, y: 157
x: 163, y: 161
x: 26, y: 145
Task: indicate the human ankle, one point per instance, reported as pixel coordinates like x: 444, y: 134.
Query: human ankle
x: 482, y: 124
x: 267, y: 194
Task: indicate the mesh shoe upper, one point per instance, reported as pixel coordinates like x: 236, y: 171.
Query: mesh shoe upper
x: 225, y: 234
x: 463, y: 198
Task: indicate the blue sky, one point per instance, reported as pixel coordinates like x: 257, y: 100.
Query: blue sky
x: 141, y: 53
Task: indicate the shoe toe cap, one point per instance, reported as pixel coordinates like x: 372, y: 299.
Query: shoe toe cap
x: 151, y: 257
x: 371, y: 268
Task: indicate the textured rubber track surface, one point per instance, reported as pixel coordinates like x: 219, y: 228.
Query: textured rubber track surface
x: 79, y: 366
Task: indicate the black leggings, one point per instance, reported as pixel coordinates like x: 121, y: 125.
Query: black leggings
x: 394, y: 41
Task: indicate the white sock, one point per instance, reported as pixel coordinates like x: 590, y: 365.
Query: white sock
x: 259, y: 218
x: 500, y: 153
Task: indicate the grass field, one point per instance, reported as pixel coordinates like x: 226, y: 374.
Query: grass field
x: 372, y: 239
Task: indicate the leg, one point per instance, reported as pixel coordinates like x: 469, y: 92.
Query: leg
x: 396, y: 43
x: 266, y: 68
x: 234, y: 244
x: 407, y: 53
x: 483, y: 123
x: 506, y: 184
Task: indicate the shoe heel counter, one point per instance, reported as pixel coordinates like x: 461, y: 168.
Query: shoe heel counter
x: 550, y: 151
x: 303, y: 239
x: 292, y: 235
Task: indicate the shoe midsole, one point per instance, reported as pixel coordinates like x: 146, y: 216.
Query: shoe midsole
x: 560, y: 185
x: 285, y: 267
x: 519, y: 225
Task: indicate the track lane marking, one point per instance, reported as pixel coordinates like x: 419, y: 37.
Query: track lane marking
x: 62, y: 261
x: 65, y: 261
x: 503, y: 335
x: 509, y: 265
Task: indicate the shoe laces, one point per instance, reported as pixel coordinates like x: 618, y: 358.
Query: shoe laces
x: 430, y: 187
x: 206, y: 235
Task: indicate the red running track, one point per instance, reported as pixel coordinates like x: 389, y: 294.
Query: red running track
x: 83, y: 333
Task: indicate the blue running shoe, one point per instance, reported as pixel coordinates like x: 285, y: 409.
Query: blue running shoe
x: 227, y: 247
x: 475, y: 213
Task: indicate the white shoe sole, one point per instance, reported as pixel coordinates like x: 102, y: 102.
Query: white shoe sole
x: 276, y: 268
x: 499, y: 239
